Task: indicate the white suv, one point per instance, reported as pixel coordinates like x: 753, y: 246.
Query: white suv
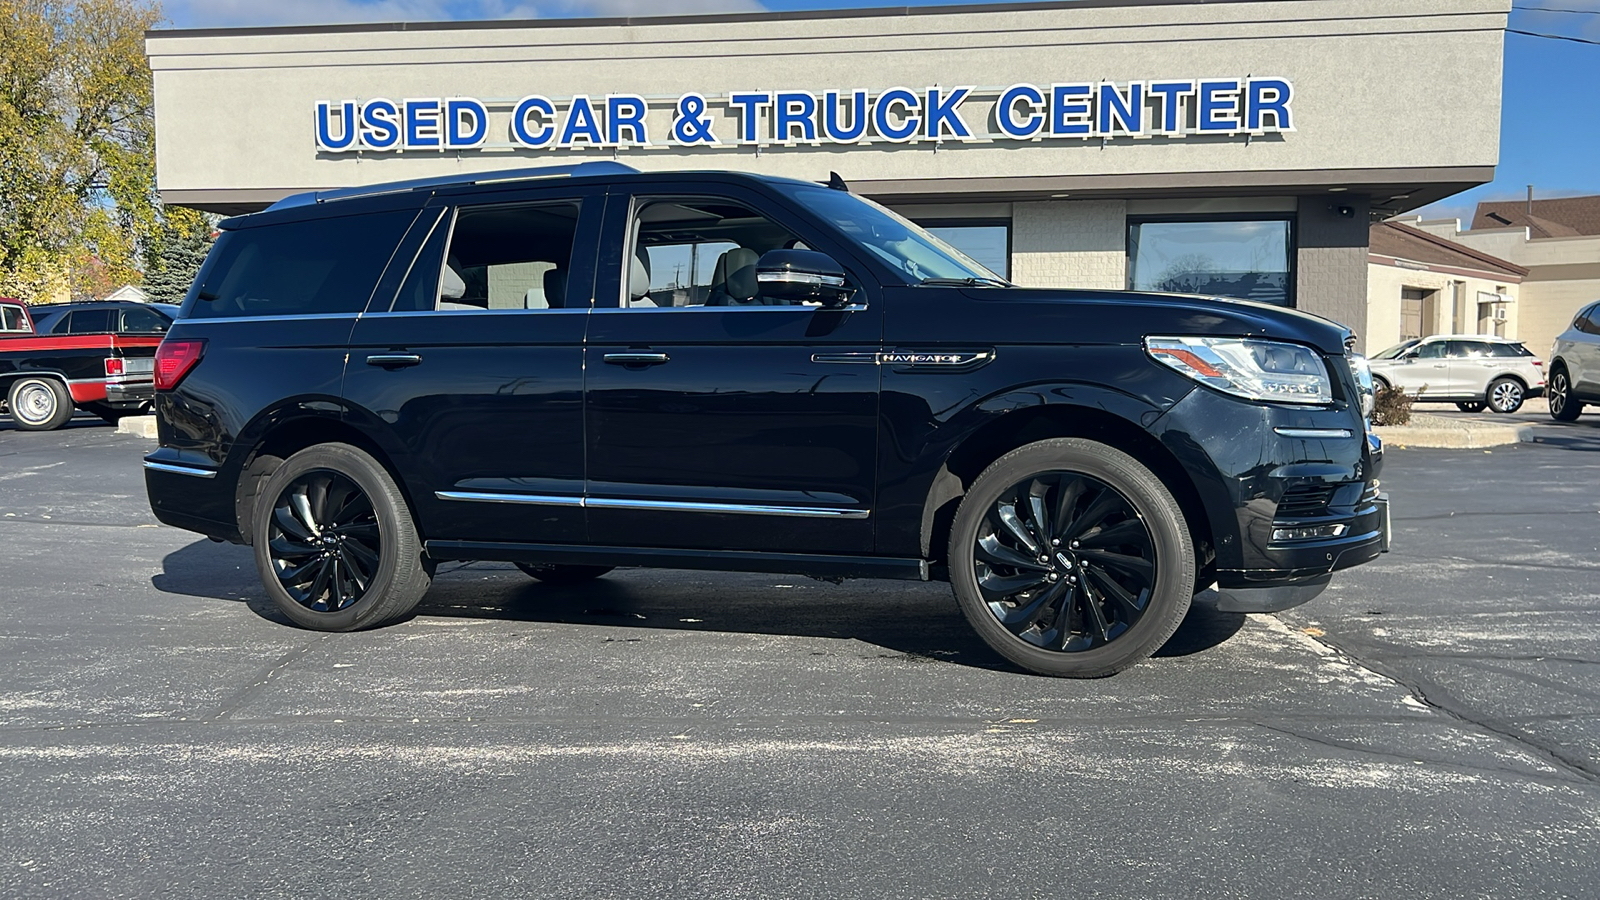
x: 1473, y: 370
x: 1575, y: 365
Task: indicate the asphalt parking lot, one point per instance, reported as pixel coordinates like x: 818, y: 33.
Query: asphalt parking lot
x: 1430, y: 727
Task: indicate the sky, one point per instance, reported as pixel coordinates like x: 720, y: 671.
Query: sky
x: 1550, y: 126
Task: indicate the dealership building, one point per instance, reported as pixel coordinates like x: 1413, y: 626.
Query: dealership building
x: 1237, y: 148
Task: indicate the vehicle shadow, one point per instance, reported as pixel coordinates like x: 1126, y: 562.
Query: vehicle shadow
x: 78, y: 421
x: 907, y: 618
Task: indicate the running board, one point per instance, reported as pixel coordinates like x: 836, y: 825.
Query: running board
x: 817, y: 566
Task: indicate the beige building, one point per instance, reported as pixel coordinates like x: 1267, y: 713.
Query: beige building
x: 1228, y: 147
x: 1557, y: 241
x: 1421, y: 284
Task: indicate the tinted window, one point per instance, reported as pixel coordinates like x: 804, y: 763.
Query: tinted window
x: 1510, y: 350
x: 1585, y: 322
x: 1471, y: 350
x: 699, y: 252
x: 143, y: 321
x: 89, y: 321
x: 299, y: 268
x: 1248, y: 260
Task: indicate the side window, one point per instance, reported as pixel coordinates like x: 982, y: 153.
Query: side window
x: 1432, y: 350
x: 1586, y: 321
x: 1471, y: 350
x: 311, y: 267
x: 700, y: 252
x: 13, y: 318
x: 505, y: 256
x: 1510, y: 350
x: 89, y: 321
x: 142, y: 321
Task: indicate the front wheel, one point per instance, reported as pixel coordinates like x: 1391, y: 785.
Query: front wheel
x: 1563, y: 406
x: 335, y: 544
x: 1504, y: 395
x: 39, y: 404
x: 1070, y: 558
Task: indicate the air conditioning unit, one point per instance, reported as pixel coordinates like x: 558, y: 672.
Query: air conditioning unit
x: 1499, y: 315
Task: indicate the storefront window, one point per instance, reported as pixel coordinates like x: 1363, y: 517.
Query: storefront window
x: 988, y: 243
x: 1247, y: 259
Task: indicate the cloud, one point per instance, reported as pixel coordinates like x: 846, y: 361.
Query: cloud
x: 242, y: 13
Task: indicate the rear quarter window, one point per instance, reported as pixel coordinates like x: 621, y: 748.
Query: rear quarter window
x: 310, y: 267
x: 1510, y: 350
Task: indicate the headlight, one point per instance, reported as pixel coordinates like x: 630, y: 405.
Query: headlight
x: 1257, y: 370
x: 1362, y: 370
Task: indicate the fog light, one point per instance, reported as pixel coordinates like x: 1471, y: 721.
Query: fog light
x: 1309, y: 532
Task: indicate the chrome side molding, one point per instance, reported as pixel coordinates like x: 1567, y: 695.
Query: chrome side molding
x: 748, y: 509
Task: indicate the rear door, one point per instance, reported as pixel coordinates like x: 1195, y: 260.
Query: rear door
x: 472, y: 376
x: 1473, y: 364
x: 718, y: 418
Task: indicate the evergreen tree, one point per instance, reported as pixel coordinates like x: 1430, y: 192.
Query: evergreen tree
x: 185, y: 240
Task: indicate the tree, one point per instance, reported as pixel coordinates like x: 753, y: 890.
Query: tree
x: 172, y: 265
x: 77, y: 163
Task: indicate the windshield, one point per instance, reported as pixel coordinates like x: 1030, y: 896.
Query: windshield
x: 1394, y: 351
x: 903, y: 244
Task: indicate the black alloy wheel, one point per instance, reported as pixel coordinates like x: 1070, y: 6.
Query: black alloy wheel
x: 324, y: 541
x: 1563, y: 406
x: 335, y: 544
x: 1078, y: 563
x: 1505, y: 395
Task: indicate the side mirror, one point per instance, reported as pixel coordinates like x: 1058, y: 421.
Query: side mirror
x: 798, y: 276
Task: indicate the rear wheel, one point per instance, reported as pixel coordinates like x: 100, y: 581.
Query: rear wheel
x: 563, y: 574
x: 1563, y: 406
x: 1069, y: 557
x: 335, y: 544
x: 1505, y: 395
x: 38, y: 403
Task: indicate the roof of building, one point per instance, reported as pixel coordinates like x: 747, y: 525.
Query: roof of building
x: 1400, y: 241
x: 1556, y: 217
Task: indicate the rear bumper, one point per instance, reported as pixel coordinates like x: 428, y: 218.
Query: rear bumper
x: 131, y: 393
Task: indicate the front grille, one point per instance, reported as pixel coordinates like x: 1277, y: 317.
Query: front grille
x: 1305, y: 500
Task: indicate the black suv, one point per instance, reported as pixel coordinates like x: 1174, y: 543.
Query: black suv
x: 584, y: 367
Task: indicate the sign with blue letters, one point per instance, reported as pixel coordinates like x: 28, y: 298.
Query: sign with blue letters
x: 897, y: 115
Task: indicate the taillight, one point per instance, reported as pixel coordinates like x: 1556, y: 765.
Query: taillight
x: 174, y: 359
x: 1539, y: 363
x: 113, y: 366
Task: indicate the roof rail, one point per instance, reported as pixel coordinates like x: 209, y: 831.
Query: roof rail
x: 577, y: 170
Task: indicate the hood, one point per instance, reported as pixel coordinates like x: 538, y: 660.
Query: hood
x: 1105, y: 316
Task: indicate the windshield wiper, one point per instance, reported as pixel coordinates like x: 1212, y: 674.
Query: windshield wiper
x: 965, y: 282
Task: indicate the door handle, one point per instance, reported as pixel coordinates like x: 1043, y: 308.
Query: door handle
x: 636, y: 358
x: 394, y: 360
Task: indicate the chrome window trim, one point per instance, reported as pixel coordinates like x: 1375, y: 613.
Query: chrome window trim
x: 490, y: 497
x: 291, y: 317
x: 813, y: 512
x: 192, y: 471
x: 1314, y: 433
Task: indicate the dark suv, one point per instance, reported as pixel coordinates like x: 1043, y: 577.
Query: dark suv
x: 584, y: 367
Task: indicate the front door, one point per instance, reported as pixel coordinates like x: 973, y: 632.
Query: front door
x: 718, y: 417
x: 473, y: 377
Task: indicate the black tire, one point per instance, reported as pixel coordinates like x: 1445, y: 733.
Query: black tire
x: 1504, y: 395
x: 1079, y: 610
x: 39, y: 403
x: 335, y: 543
x: 1471, y: 406
x: 1379, y: 384
x: 1563, y: 406
x: 552, y: 573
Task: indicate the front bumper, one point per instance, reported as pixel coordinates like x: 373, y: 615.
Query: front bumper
x: 1272, y: 590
